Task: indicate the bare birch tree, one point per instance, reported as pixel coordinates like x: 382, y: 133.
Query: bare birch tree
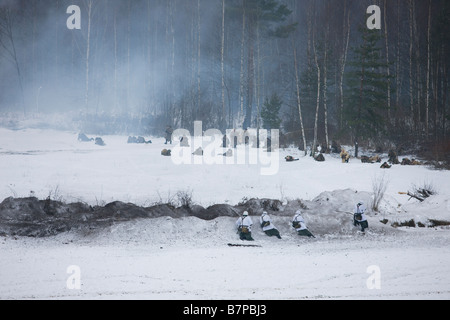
x: 343, y: 59
x: 325, y: 81
x: 241, y: 75
x: 427, y: 107
x: 222, y: 67
x: 299, y: 104
x: 411, y: 48
x: 388, y: 69
x: 319, y: 82
x: 88, y: 5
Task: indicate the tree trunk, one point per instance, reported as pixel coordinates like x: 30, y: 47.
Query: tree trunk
x: 386, y: 36
x: 346, y: 37
x: 309, y: 32
x: 319, y: 80
x: 297, y: 83
x: 88, y: 53
x: 170, y: 61
x: 199, y: 55
x: 128, y: 56
x: 360, y: 106
x: 116, y: 104
x: 397, y: 67
x: 444, y: 99
x: 33, y: 53
x: 258, y: 87
x: 436, y: 97
x: 149, y: 84
x: 325, y: 87
x: 411, y: 42
x: 241, y: 79
x: 427, y: 105
x: 172, y: 64
x: 417, y: 58
x: 57, y: 26
x: 222, y: 66
x: 250, y: 73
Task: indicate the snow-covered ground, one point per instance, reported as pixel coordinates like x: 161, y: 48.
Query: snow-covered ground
x: 189, y: 258
x: 44, y: 162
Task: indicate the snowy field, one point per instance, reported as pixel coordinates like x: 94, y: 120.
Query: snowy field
x: 189, y: 258
x: 42, y: 163
x: 168, y: 260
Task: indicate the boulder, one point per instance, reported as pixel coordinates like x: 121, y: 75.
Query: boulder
x: 100, y: 142
x: 84, y: 138
x: 320, y: 158
x: 166, y: 153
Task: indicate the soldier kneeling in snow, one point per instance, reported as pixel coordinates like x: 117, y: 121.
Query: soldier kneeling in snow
x: 359, y: 218
x: 345, y: 156
x: 268, y: 227
x: 299, y: 225
x: 244, y: 226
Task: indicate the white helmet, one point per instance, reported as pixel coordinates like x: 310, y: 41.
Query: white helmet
x: 265, y: 213
x: 245, y: 214
x: 298, y: 212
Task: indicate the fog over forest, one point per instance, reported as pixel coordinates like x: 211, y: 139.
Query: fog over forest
x: 311, y: 68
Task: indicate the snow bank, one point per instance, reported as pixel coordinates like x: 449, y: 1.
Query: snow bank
x: 326, y: 215
x: 434, y: 208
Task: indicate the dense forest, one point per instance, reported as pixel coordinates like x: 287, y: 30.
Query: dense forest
x: 311, y: 68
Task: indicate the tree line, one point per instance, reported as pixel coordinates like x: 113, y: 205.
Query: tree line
x: 311, y: 68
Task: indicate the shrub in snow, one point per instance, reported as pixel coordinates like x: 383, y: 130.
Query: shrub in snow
x: 185, y: 199
x: 379, y: 186
x: 423, y: 192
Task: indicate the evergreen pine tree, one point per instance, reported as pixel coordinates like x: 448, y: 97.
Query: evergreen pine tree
x: 366, y: 107
x: 270, y: 112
